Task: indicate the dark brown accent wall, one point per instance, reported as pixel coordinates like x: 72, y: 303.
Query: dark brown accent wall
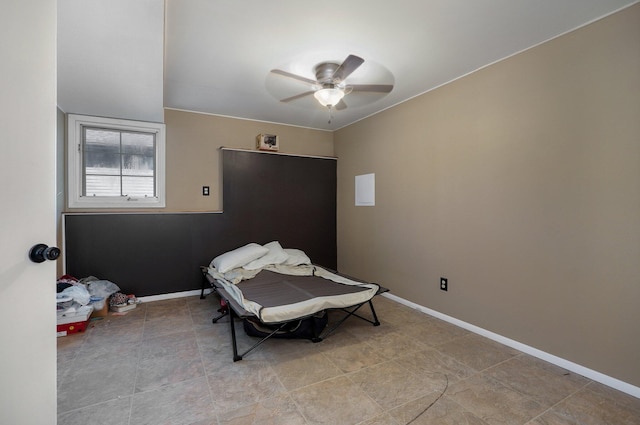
x: 266, y: 197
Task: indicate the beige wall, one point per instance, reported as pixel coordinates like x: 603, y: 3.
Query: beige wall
x: 521, y: 184
x: 193, y: 142
x: 192, y: 154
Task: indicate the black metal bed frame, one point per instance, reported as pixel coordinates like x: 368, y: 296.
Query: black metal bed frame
x: 233, y: 309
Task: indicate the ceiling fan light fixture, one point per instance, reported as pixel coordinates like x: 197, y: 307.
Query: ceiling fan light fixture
x: 329, y: 96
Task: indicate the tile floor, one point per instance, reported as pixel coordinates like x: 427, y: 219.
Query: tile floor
x: 166, y: 363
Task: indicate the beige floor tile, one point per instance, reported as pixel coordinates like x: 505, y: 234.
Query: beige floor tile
x: 593, y: 405
x: 157, y: 372
x: 384, y: 419
x: 179, y: 343
x: 280, y: 350
x: 167, y: 325
x: 477, y: 352
x: 433, y: 332
x: 361, y: 329
x: 391, y: 385
x: 212, y: 336
x: 68, y: 348
x: 210, y: 302
x: 279, y: 410
x: 166, y: 363
x: 493, y: 402
x: 64, y: 365
x: 335, y: 401
x: 134, y: 317
x: 157, y: 316
x: 216, y: 357
x: 433, y: 363
x: 167, y: 308
x: 614, y: 396
x: 115, y: 333
x: 341, y: 337
x: 542, y: 381
x: 395, y: 313
x: 435, y: 410
x: 242, y: 383
x: 354, y: 357
x: 202, y: 318
x: 299, y: 371
x: 113, y: 412
x: 70, y: 344
x: 107, y: 355
x: 208, y: 421
x: 393, y: 343
x: 84, y: 387
x: 184, y: 403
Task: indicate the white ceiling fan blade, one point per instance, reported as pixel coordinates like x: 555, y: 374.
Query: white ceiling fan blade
x: 294, y: 76
x: 350, y: 64
x: 298, y: 96
x: 340, y: 105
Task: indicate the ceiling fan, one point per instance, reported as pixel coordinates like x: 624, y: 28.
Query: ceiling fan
x: 329, y: 87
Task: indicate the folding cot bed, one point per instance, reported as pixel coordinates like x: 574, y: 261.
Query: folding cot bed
x: 277, y: 289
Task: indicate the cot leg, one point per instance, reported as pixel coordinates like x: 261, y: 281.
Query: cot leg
x: 205, y: 282
x: 223, y: 310
x: 316, y: 335
x: 202, y: 296
x: 254, y: 346
x: 236, y: 357
x: 376, y: 322
x: 349, y: 314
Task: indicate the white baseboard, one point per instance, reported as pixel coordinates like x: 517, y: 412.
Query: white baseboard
x: 174, y: 295
x: 558, y: 361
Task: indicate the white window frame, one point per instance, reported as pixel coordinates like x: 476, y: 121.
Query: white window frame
x: 75, y: 124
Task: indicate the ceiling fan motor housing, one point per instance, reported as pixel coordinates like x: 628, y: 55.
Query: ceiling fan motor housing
x: 325, y: 73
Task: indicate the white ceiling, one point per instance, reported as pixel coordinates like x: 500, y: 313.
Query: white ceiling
x: 132, y: 58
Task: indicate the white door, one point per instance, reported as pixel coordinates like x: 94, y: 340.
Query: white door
x: 27, y: 211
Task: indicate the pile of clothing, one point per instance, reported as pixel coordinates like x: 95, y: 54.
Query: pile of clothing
x: 77, y: 300
x: 73, y: 293
x: 120, y: 302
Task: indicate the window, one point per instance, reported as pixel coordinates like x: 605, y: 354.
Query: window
x: 115, y: 163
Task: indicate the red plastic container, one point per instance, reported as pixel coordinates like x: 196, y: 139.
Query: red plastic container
x: 72, y: 328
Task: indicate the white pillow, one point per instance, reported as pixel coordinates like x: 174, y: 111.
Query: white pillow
x: 238, y: 257
x: 296, y: 257
x: 276, y: 255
